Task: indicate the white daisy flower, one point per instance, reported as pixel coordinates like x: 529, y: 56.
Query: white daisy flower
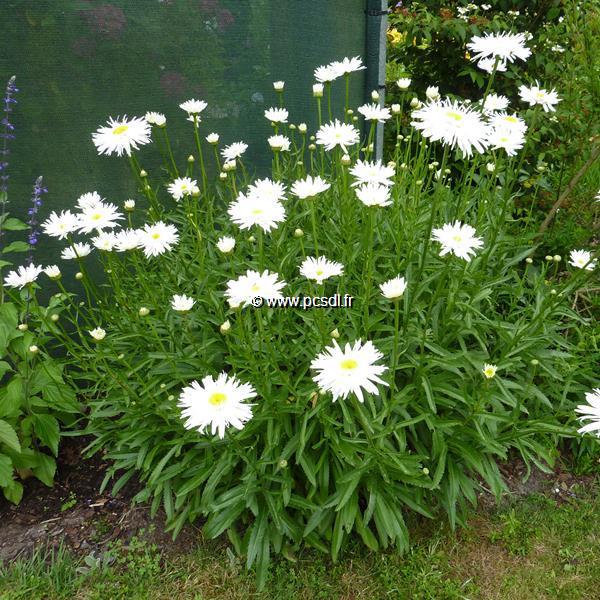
x: 279, y: 143
x: 182, y: 303
x: 212, y: 138
x: 267, y: 188
x: 404, y: 83
x: 309, y: 187
x: 506, y: 121
x: 226, y: 244
x: 454, y: 124
x: 122, y: 136
x: 374, y: 194
x: 536, y: 95
x: 157, y: 238
x: 99, y: 217
x: 89, y: 200
x: 504, y: 46
x: 129, y: 205
x: 320, y: 268
x: 495, y: 102
x: 250, y: 210
x: 458, y: 239
x: 393, y: 288
x: 278, y: 86
x: 277, y: 115
x: 22, y: 276
x: 591, y: 412
x: 183, y: 186
x: 234, y: 150
x: 489, y: 371
x: 507, y: 139
x: 104, y: 241
x: 53, y: 272
x: 60, y: 225
x: 350, y: 370
x: 488, y: 64
x: 193, y: 107
x: 347, y: 65
x: 582, y: 259
x: 156, y: 118
x: 372, y: 172
x: 325, y: 73
x: 318, y: 90
x: 76, y: 251
x: 127, y: 239
x: 374, y: 112
x: 216, y: 403
x: 253, y: 284
x: 98, y: 334
x: 339, y: 134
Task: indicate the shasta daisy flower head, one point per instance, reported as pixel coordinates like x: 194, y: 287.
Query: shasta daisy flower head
x: 183, y: 186
x: 320, y: 268
x: 76, y: 251
x: 127, y: 239
x: 89, y: 200
x: 156, y: 118
x: 216, y: 403
x: 495, y: 102
x: 309, y: 187
x: 279, y: 143
x: 121, y: 136
x: 22, y: 276
x: 182, y: 303
x: 347, y: 65
x: 489, y: 371
x: 536, y: 95
x: 505, y: 121
x: 488, y: 65
x: 339, y: 134
x: 325, y: 74
x: 393, y: 288
x: 454, y: 124
x: 502, y: 46
x: 99, y: 217
x: 372, y: 172
x: 97, y: 334
x: 590, y: 412
x: 157, y: 238
x: 457, y: 239
x: 104, y: 241
x: 277, y: 115
x: 374, y: 194
x: 53, y: 272
x: 252, y: 209
x: 374, y: 112
x: 267, y: 188
x: 404, y: 83
x: 234, y: 150
x: 582, y: 259
x: 226, y: 244
x: 61, y: 225
x: 244, y: 289
x: 508, y: 138
x: 350, y: 370
x: 193, y: 107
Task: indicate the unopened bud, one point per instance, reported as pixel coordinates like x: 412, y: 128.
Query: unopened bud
x: 23, y: 327
x: 298, y: 233
x: 79, y: 275
x: 302, y: 128
x: 534, y: 362
x: 252, y: 239
x: 283, y: 463
x: 335, y: 334
x: 34, y: 349
x: 375, y: 95
x: 529, y: 260
x: 222, y: 175
x: 225, y: 327
x: 346, y: 160
x: 143, y: 173
x: 395, y: 109
x: 144, y: 312
x: 549, y: 258
x: 191, y: 158
x: 557, y: 258
x: 54, y: 317
x: 312, y: 147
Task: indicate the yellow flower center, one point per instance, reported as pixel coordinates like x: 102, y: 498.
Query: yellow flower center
x: 217, y: 398
x: 96, y: 217
x: 255, y: 288
x: 489, y: 372
x: 319, y: 272
x: 457, y: 238
x: 120, y: 129
x: 155, y: 236
x: 454, y: 115
x: 348, y: 364
x: 511, y: 119
x: 257, y: 211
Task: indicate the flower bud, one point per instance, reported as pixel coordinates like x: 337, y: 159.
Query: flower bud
x: 312, y: 147
x: 23, y: 327
x: 491, y: 167
x: 278, y: 86
x: 529, y: 260
x: 144, y: 312
x: 346, y: 160
x: 335, y: 334
x: 298, y: 233
x: 375, y: 95
x: 549, y: 258
x: 54, y: 317
x: 170, y: 397
x: 349, y: 112
x: 225, y: 327
x: 79, y: 275
x: 403, y: 83
x: 395, y: 109
x: 355, y: 119
x: 534, y: 362
x: 302, y: 128
x: 212, y: 138
x: 143, y: 173
x: 252, y: 239
x: 318, y: 90
x: 222, y: 175
x: 34, y: 349
x: 425, y: 471
x: 283, y: 463
x: 414, y: 103
x: 557, y: 258
x: 121, y: 356
x: 292, y: 126
x: 191, y: 158
x: 129, y: 205
x: 553, y: 292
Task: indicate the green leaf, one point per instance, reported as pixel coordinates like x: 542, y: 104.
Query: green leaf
x: 13, y: 224
x: 9, y: 437
x: 47, y: 429
x: 13, y: 492
x: 45, y: 469
x: 17, y: 246
x: 11, y: 398
x: 4, y: 367
x: 6, y: 471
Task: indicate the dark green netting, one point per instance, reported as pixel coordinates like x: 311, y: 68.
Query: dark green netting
x: 79, y: 61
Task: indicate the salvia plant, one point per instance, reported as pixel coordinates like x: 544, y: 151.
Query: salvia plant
x: 317, y: 354
x: 34, y: 397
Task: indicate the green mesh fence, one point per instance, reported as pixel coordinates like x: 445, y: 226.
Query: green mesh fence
x: 79, y: 61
